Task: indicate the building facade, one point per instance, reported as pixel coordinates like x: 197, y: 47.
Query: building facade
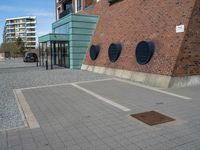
x: 71, y: 35
x: 23, y: 27
x: 154, y: 42
x: 64, y: 7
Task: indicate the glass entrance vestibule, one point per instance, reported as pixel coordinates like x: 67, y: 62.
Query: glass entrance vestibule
x: 54, y: 54
x: 75, y: 31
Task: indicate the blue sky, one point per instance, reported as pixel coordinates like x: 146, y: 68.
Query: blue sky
x: 44, y: 10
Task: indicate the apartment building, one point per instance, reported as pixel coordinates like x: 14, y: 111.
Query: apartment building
x: 155, y: 42
x: 23, y: 27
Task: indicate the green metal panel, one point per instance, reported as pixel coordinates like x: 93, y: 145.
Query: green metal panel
x: 62, y: 21
x: 78, y: 56
x: 84, y: 18
x: 75, y: 18
x: 79, y: 44
x: 83, y: 25
x: 79, y: 50
x: 81, y: 29
x: 77, y: 37
x: 53, y: 37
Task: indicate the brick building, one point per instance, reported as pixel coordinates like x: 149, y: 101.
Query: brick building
x: 155, y: 42
x: 173, y: 26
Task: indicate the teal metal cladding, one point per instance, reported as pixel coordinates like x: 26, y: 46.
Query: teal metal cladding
x: 53, y: 37
x: 80, y: 30
x: 79, y: 34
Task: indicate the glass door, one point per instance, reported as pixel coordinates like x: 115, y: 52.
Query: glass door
x: 61, y: 58
x: 59, y: 55
x: 65, y: 56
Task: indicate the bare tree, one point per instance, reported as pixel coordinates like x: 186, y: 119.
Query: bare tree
x: 10, y: 48
x: 14, y: 49
x: 20, y: 46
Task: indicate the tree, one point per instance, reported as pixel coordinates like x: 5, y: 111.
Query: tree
x: 10, y: 48
x: 1, y: 50
x: 20, y: 46
x: 14, y: 49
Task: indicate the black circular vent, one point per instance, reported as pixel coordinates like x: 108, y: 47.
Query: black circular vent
x: 94, y: 51
x: 144, y: 52
x: 114, y: 51
x: 113, y: 1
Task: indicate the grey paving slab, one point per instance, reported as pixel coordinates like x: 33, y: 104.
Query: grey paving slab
x: 141, y: 99
x: 71, y: 119
x: 3, y: 140
x: 129, y: 95
x: 16, y: 74
x: 188, y: 91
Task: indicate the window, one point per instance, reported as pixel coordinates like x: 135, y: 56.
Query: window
x: 64, y: 29
x: 59, y: 10
x: 30, y: 34
x: 68, y: 7
x: 79, y: 5
x: 30, y: 39
x: 22, y: 34
x: 31, y: 29
x: 88, y: 3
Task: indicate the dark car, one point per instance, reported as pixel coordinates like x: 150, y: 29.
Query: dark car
x: 31, y: 57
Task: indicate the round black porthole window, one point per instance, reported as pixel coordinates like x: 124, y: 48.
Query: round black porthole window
x: 144, y: 52
x: 94, y: 52
x: 114, y: 51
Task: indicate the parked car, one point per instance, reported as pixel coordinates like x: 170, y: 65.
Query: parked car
x: 31, y: 57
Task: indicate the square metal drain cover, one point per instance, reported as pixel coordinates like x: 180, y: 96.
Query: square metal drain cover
x: 152, y: 118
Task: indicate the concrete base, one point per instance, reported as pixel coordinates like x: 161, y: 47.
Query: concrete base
x: 146, y: 78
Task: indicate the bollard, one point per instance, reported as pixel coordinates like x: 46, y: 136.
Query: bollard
x: 46, y: 64
x: 40, y: 63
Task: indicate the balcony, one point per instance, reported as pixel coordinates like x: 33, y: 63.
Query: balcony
x: 31, y: 22
x: 67, y: 9
x: 10, y: 37
x: 14, y: 23
x: 30, y: 26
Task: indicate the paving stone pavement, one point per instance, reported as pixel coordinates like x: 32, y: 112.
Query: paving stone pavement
x: 16, y: 74
x: 71, y: 119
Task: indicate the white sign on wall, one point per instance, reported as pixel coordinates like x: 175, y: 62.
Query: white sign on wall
x: 180, y: 28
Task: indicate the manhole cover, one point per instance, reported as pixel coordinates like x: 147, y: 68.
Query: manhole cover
x: 152, y: 118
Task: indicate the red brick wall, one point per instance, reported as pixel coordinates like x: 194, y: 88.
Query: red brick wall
x: 188, y: 62
x: 131, y: 21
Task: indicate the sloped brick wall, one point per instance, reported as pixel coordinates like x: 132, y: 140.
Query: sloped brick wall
x: 188, y: 62
x: 131, y: 21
